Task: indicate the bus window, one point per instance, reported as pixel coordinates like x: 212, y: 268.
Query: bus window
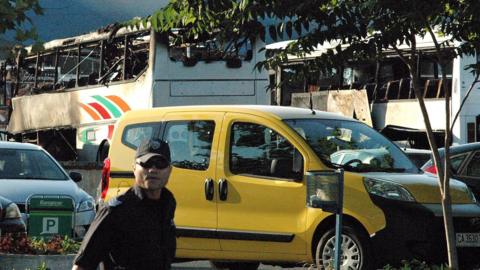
x: 209, y: 50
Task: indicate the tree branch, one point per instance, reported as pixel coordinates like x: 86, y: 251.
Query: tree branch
x: 475, y: 81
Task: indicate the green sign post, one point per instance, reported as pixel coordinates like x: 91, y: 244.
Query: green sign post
x: 50, y: 215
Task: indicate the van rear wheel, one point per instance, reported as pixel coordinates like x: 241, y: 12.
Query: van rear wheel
x: 355, y: 250
x: 234, y: 265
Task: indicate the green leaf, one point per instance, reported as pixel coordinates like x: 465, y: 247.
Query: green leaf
x: 298, y: 27
x: 154, y: 22
x: 288, y: 28
x: 273, y: 32
x: 145, y: 23
x: 280, y: 29
x: 306, y: 25
x: 261, y: 33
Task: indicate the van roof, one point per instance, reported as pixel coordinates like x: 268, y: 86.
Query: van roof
x: 281, y: 112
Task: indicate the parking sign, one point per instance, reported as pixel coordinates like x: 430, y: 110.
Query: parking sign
x: 50, y: 225
x: 50, y: 215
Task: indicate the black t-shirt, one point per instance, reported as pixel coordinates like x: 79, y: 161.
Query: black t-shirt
x: 131, y: 232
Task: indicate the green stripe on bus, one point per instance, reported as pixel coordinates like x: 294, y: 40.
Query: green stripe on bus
x: 110, y: 106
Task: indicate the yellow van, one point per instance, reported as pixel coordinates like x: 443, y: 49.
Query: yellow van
x: 240, y: 176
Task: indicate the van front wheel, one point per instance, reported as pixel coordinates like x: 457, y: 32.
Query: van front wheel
x: 234, y: 265
x: 354, y: 250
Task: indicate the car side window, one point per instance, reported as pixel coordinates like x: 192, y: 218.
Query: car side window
x: 133, y: 135
x: 190, y: 143
x: 473, y: 167
x: 261, y: 151
x: 456, y: 161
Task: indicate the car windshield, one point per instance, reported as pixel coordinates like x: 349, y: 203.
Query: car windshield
x: 28, y: 164
x: 351, y: 145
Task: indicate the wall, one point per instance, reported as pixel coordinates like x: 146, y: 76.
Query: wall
x: 20, y: 262
x: 407, y: 113
x: 91, y: 175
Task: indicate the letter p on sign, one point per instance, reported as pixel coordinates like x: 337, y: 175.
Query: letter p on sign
x: 50, y: 225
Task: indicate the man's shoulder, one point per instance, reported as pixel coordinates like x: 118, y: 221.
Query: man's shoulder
x: 115, y: 202
x: 120, y: 200
x: 169, y: 195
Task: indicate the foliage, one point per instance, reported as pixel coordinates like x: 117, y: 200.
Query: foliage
x: 368, y: 26
x: 56, y: 245
x: 16, y: 243
x: 416, y: 265
x: 42, y: 266
x: 22, y: 244
x: 14, y: 15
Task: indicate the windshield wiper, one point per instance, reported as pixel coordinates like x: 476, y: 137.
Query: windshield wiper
x: 375, y: 169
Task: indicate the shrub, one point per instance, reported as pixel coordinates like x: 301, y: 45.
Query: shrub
x: 22, y: 244
x: 416, y: 265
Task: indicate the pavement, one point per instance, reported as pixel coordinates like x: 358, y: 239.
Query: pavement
x: 205, y: 265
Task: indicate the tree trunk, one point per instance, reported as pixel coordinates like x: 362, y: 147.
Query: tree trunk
x: 446, y: 198
x: 443, y: 175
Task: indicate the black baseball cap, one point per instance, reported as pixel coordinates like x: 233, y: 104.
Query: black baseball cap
x: 153, y: 148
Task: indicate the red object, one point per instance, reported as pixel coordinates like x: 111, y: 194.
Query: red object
x: 100, y: 110
x: 110, y: 131
x: 105, y: 177
x: 431, y: 169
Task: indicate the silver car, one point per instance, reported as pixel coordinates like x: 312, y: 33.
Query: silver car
x: 27, y: 169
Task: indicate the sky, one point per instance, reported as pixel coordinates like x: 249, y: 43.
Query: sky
x: 66, y: 18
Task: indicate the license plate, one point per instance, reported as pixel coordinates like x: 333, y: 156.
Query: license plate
x: 468, y: 239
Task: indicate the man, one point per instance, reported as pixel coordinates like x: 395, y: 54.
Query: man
x: 136, y: 229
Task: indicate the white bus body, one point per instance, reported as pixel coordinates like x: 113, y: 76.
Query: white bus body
x: 393, y: 102
x: 74, y: 122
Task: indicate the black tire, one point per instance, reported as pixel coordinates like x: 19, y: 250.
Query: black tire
x: 355, y: 250
x: 102, y: 152
x: 234, y: 265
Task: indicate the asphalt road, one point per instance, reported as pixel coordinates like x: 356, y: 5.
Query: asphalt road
x: 205, y: 265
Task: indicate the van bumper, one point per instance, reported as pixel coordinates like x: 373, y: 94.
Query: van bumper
x: 416, y: 231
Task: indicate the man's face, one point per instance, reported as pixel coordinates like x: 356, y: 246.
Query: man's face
x: 151, y: 175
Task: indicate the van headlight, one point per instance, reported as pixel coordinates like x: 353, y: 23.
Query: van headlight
x: 86, y: 205
x: 12, y: 211
x: 387, y: 190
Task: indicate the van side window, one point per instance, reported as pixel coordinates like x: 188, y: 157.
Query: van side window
x: 190, y: 143
x: 133, y: 135
x: 258, y: 150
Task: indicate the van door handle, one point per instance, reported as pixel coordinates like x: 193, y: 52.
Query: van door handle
x: 209, y: 189
x: 223, y: 189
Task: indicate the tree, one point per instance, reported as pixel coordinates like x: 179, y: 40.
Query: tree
x: 14, y: 16
x: 367, y: 27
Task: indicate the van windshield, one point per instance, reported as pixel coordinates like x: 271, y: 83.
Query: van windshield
x: 351, y: 145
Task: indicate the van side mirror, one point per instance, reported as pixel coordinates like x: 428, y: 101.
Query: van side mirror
x: 76, y: 176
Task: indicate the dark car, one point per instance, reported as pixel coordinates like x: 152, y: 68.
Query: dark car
x: 10, y: 218
x: 465, y: 165
x: 418, y: 156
